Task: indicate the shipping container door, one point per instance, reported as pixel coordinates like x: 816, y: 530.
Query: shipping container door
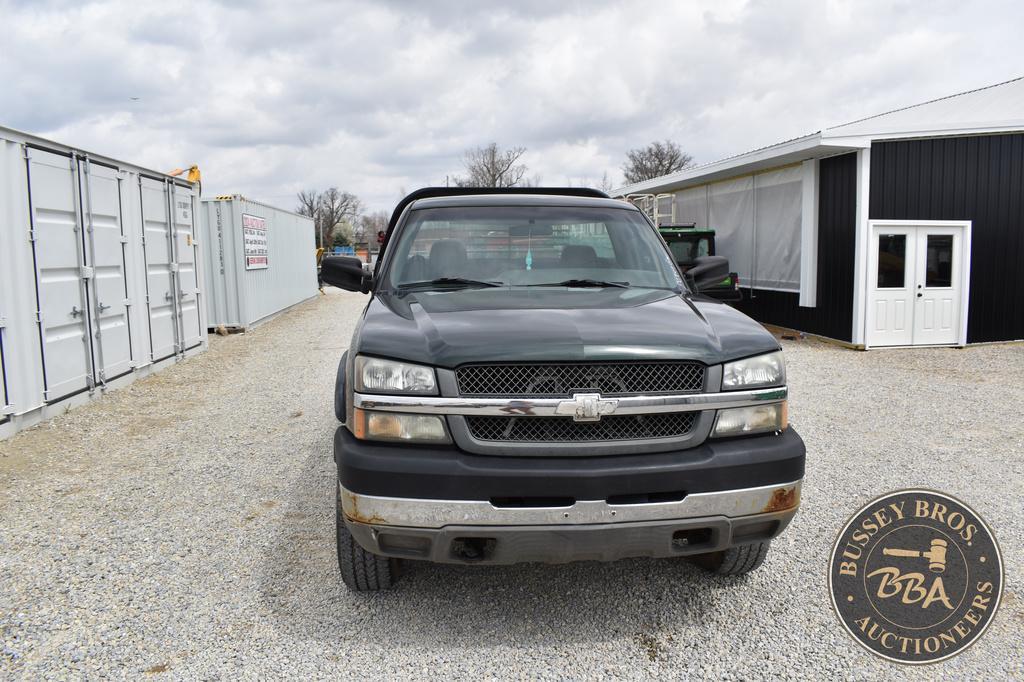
x: 105, y: 244
x: 5, y: 403
x: 188, y: 282
x: 160, y: 284
x: 62, y: 280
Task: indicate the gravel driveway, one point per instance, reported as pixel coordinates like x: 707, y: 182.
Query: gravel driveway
x: 184, y: 526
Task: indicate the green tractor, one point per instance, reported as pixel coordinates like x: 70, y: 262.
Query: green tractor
x: 694, y: 251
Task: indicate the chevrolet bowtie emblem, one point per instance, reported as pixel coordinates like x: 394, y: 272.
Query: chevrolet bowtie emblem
x: 587, y: 407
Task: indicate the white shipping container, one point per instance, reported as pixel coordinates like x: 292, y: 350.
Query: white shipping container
x: 99, y: 276
x: 260, y: 260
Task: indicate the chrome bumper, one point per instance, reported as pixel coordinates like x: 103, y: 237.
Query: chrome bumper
x: 555, y: 407
x: 426, y: 513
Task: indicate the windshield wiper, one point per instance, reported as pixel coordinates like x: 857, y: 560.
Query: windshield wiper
x: 449, y: 282
x: 594, y: 283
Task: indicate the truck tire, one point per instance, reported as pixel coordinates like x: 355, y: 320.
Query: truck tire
x: 362, y: 571
x: 738, y: 560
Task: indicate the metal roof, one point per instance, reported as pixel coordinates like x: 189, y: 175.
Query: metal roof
x: 992, y: 109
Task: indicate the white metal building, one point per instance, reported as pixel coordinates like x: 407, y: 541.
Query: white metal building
x: 259, y: 260
x: 99, y: 275
x: 905, y: 228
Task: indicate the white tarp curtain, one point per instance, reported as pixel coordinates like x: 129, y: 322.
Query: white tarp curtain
x: 768, y: 256
x: 778, y: 203
x: 692, y: 206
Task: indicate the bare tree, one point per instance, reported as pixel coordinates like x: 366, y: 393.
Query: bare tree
x: 370, y: 224
x: 606, y: 185
x: 654, y: 160
x: 493, y: 167
x: 327, y: 209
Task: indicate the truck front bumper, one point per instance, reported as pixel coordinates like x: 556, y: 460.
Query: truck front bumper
x: 461, y: 531
x: 444, y: 505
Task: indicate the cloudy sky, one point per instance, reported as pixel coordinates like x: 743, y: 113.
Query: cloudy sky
x: 273, y: 97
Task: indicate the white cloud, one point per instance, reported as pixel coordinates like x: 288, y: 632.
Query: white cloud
x: 269, y: 98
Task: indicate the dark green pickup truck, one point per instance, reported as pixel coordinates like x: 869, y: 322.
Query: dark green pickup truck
x: 534, y: 379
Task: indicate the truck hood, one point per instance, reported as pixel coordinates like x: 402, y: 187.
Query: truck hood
x: 451, y: 328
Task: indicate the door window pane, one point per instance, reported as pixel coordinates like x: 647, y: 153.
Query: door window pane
x: 892, y: 260
x: 939, y: 263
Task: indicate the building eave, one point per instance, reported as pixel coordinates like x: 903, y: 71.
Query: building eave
x: 781, y: 154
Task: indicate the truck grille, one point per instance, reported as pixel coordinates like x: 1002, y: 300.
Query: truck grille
x: 565, y: 430
x: 562, y: 380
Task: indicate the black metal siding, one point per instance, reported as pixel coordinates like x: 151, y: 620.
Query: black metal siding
x: 837, y: 209
x: 980, y: 179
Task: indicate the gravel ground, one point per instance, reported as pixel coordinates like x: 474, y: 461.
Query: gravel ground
x: 184, y: 526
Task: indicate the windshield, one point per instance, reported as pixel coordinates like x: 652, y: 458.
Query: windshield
x: 531, y: 246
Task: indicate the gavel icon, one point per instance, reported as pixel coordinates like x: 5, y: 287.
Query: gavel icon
x: 936, y: 556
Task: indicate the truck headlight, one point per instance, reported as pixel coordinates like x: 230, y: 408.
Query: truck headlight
x: 388, y: 376
x: 398, y: 426
x: 761, y: 370
x: 742, y: 421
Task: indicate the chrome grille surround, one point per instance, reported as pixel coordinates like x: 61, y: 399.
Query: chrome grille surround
x: 557, y: 379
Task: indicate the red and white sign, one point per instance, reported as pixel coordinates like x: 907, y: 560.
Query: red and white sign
x: 254, y: 233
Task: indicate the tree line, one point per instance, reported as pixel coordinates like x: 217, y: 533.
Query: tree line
x: 339, y: 218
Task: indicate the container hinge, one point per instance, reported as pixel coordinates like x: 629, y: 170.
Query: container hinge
x: 124, y: 239
x: 173, y: 267
x: 32, y: 234
x: 85, y: 272
x: 126, y: 302
x: 39, y: 316
x: 7, y: 409
x: 26, y: 152
x: 3, y: 321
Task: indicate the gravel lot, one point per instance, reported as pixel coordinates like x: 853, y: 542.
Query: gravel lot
x: 184, y: 526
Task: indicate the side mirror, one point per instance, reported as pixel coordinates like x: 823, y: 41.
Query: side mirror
x: 710, y: 276
x: 345, y: 272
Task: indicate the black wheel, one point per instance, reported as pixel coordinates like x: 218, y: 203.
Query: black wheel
x: 735, y: 560
x: 362, y: 571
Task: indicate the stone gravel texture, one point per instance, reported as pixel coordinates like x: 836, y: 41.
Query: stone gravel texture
x: 183, y: 526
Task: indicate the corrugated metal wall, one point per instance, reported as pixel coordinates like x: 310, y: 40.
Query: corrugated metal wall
x: 833, y: 315
x: 242, y: 291
x: 980, y: 179
x: 98, y: 275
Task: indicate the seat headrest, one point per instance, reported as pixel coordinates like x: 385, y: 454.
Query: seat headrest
x: 447, y: 257
x: 578, y: 256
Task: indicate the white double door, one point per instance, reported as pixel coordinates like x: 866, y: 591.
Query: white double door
x: 916, y: 283
x: 78, y: 242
